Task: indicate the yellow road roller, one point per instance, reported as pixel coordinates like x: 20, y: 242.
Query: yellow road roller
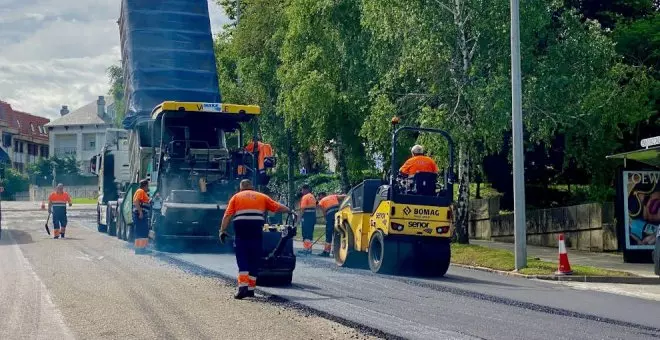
x: 404, y: 225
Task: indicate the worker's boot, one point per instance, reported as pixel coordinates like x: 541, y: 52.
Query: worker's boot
x: 326, y: 250
x: 62, y: 232
x: 242, y: 292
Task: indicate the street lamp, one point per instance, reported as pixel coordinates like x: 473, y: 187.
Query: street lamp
x: 518, y: 161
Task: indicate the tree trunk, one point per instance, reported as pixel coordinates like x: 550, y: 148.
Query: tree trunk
x: 463, y: 204
x: 342, y: 165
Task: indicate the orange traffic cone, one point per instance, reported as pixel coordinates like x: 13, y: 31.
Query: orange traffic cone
x: 564, y: 265
x: 43, y: 205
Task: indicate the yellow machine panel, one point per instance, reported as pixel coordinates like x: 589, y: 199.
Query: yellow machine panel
x: 205, y: 107
x: 358, y: 222
x: 414, y: 220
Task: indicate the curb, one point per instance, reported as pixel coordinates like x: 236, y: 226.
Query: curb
x: 567, y: 278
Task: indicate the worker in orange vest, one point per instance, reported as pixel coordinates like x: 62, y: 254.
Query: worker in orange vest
x: 265, y: 161
x: 418, y: 163
x: 57, y: 202
x: 308, y: 220
x: 247, y: 209
x: 329, y: 205
x: 141, y: 210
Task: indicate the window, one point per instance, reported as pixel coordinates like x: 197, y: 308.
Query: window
x: 18, y: 123
x: 41, y: 130
x: 20, y: 147
x: 32, y: 127
x: 6, y: 140
x: 15, y: 146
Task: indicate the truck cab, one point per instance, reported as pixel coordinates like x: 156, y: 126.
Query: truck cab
x: 112, y: 168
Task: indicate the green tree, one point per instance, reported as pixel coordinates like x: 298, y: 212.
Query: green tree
x: 116, y: 79
x: 247, y: 59
x: 446, y: 64
x: 13, y: 182
x: 324, y: 78
x: 43, y: 168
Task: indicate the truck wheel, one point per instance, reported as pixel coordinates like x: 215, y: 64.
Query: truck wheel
x: 99, y: 227
x: 343, y: 249
x: 383, y: 254
x: 130, y: 233
x: 111, y: 226
x: 118, y: 226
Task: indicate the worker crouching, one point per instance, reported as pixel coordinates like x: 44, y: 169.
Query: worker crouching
x: 247, y: 209
x: 141, y: 211
x: 329, y: 205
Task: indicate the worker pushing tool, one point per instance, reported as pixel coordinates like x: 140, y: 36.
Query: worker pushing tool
x: 418, y: 163
x: 57, y: 202
x: 329, y: 205
x: 308, y: 212
x: 141, y: 210
x: 247, y: 209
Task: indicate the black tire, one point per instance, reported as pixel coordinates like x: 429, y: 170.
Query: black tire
x: 279, y: 280
x: 438, y: 259
x: 111, y: 226
x: 120, y: 226
x: 343, y: 249
x: 383, y: 254
x: 130, y: 232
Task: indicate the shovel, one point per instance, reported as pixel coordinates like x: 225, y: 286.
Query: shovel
x: 46, y: 225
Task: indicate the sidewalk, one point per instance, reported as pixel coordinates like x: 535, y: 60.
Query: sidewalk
x: 577, y: 257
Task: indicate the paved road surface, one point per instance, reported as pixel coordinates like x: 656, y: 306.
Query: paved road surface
x: 91, y: 286
x: 102, y: 290
x: 464, y: 305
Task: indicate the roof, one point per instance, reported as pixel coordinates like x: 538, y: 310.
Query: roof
x: 650, y: 156
x: 26, y: 124
x: 86, y: 115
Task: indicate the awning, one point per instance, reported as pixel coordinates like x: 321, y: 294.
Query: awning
x: 649, y: 156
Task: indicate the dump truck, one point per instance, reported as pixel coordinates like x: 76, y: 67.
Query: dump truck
x: 111, y: 166
x: 403, y: 224
x: 182, y: 137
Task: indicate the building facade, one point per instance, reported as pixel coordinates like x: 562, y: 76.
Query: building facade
x: 24, y: 137
x: 81, y: 133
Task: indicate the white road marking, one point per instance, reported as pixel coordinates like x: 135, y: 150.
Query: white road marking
x: 28, y: 312
x: 647, y: 292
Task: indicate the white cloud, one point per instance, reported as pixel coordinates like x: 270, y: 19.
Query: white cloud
x: 55, y: 52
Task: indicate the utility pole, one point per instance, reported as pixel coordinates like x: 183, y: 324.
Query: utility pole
x: 518, y: 155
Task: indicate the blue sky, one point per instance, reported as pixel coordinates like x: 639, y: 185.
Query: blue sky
x: 55, y: 52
